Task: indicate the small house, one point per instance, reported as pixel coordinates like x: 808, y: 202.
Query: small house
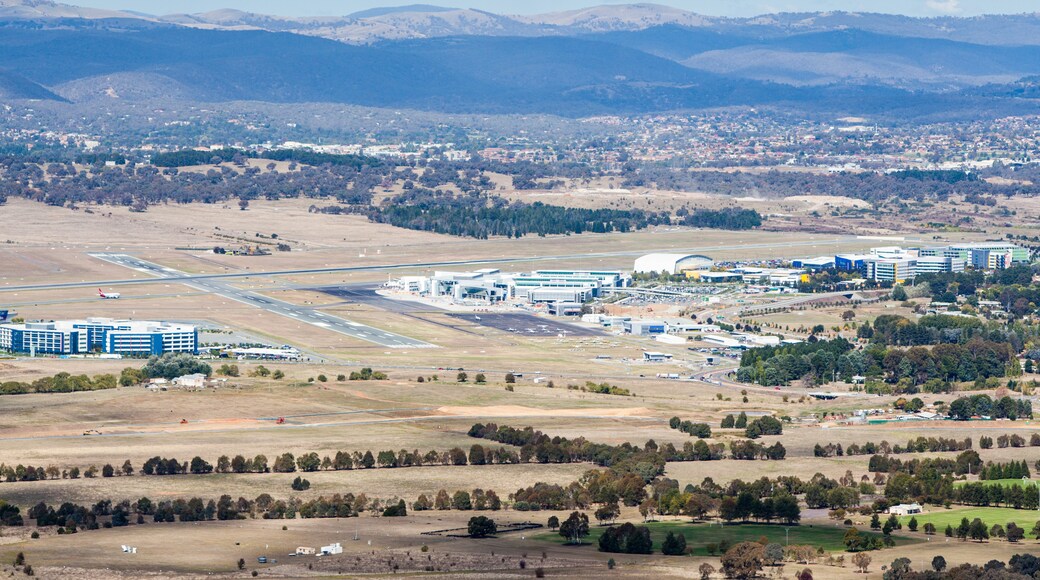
x: 905, y: 509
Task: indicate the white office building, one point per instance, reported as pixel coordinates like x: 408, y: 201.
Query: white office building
x: 127, y: 337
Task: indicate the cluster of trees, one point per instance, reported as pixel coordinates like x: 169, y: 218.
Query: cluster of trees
x: 648, y: 461
x: 765, y: 425
x: 870, y: 185
x: 10, y: 514
x: 964, y: 408
x: 1013, y: 440
x: 628, y: 539
x: 71, y: 516
x: 162, y: 466
x: 284, y: 463
x: 916, y: 445
x: 911, y: 370
x: 698, y: 430
x: 855, y: 541
x: 748, y: 450
x: 481, y: 216
x: 139, y: 186
x: 1011, y: 470
x: 367, y: 374
x: 729, y: 218
x: 189, y: 157
x: 60, y: 383
x: 965, y: 462
x: 815, y: 362
x: 461, y: 500
x: 933, y: 481
x: 172, y: 365
x: 892, y: 329
x: 606, y: 487
x: 1012, y: 495
x: 1018, y: 567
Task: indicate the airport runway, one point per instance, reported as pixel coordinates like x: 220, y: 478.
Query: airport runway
x: 526, y: 324
x: 365, y: 293
x: 280, y: 307
x: 184, y: 277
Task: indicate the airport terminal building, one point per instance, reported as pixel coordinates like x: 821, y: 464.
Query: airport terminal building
x: 126, y: 337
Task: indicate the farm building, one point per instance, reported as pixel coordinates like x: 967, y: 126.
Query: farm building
x: 905, y: 509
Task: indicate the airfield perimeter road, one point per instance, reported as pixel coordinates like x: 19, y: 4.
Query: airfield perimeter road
x: 301, y: 313
x: 183, y: 277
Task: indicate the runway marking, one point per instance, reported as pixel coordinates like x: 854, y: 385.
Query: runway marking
x: 279, y: 307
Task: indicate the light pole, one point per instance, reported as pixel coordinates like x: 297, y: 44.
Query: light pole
x: 787, y: 536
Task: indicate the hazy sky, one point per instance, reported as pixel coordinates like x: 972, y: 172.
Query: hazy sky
x: 712, y: 7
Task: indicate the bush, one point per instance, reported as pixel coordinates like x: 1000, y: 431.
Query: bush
x: 396, y: 510
x: 674, y: 545
x: 627, y: 539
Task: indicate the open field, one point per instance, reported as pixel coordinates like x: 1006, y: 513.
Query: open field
x: 399, y: 413
x: 989, y: 515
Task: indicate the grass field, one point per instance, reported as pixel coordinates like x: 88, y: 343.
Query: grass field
x: 990, y: 515
x: 698, y: 536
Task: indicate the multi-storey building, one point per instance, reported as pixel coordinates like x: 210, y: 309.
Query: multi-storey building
x: 129, y: 337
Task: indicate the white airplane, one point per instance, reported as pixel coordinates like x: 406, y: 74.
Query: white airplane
x: 109, y: 296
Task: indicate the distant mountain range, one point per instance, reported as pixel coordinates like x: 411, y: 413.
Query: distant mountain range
x: 427, y: 21
x: 606, y: 59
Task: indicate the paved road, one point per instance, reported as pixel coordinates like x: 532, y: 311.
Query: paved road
x: 183, y: 277
x: 280, y: 307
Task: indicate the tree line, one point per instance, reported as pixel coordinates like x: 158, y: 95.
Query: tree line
x: 60, y: 383
x: 651, y: 457
x: 482, y: 216
x: 71, y: 517
x: 728, y: 218
x: 920, y: 444
x: 190, y: 157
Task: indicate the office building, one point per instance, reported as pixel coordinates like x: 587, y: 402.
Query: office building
x: 102, y: 335
x: 982, y: 255
x: 896, y: 270
x: 938, y: 264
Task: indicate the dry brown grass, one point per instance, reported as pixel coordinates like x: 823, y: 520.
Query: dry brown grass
x: 396, y: 414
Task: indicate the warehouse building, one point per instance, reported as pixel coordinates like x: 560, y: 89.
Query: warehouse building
x: 645, y: 327
x: 814, y: 264
x: 105, y: 335
x: 671, y: 264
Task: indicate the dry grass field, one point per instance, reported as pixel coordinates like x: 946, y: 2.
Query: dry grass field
x: 398, y: 413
